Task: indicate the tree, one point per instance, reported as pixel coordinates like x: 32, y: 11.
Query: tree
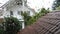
x: 58, y: 8
x: 42, y: 13
x: 12, y: 25
x: 56, y: 4
x: 1, y: 29
x: 26, y: 18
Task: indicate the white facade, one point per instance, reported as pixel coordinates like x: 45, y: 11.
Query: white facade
x: 14, y: 8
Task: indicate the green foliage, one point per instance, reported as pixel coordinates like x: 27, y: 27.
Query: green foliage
x: 43, y: 10
x: 32, y: 19
x: 1, y: 29
x: 26, y: 18
x: 56, y: 4
x: 12, y: 25
x: 58, y: 8
x: 40, y: 14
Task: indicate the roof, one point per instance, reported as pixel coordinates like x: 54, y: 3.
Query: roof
x: 48, y: 24
x: 8, y: 3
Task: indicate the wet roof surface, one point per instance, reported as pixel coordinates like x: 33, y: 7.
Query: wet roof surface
x: 48, y: 24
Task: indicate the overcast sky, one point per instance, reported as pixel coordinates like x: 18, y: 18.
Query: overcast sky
x: 3, y: 1
x: 36, y: 4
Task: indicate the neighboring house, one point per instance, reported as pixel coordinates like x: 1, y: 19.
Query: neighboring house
x: 15, y: 7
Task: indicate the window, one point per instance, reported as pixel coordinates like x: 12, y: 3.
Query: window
x: 19, y: 12
x: 19, y: 2
x: 11, y: 12
x: 1, y: 13
x: 25, y: 1
x: 28, y: 12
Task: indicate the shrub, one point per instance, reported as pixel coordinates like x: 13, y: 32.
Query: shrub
x: 58, y: 8
x: 1, y: 29
x: 28, y: 20
x: 43, y: 10
x: 12, y: 25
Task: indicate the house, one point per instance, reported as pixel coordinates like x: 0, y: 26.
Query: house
x: 14, y: 8
x: 48, y: 24
x: 1, y: 15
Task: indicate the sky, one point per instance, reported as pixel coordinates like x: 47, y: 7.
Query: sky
x: 36, y: 4
x: 2, y: 2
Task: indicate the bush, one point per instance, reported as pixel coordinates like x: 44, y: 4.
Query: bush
x: 43, y: 10
x: 58, y: 8
x: 28, y: 20
x: 1, y: 29
x: 12, y: 25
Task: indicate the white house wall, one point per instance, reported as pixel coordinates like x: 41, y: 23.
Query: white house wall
x: 15, y: 10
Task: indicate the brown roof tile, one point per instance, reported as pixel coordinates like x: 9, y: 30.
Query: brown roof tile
x: 48, y: 24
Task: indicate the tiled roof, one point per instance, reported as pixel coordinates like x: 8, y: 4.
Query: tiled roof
x: 48, y: 24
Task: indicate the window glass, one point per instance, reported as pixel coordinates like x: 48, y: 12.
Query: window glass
x: 28, y: 12
x: 19, y: 12
x: 1, y: 13
x: 11, y: 12
x: 19, y: 2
